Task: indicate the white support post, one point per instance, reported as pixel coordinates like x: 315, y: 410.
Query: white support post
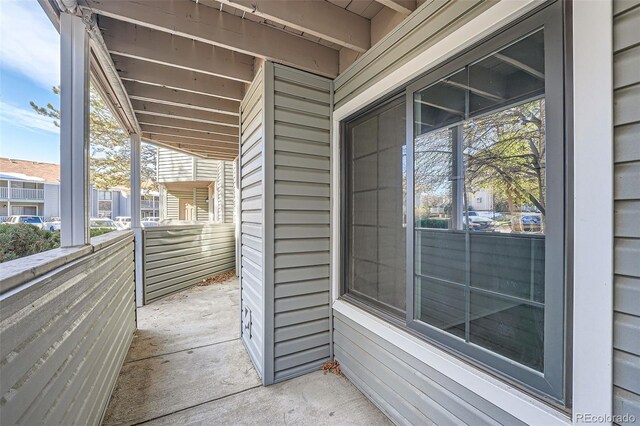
x: 74, y: 131
x: 135, y: 215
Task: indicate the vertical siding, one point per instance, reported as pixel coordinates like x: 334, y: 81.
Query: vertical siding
x: 428, y: 24
x: 626, y: 333
x: 251, y: 226
x: 302, y: 110
x: 64, y: 338
x: 177, y: 257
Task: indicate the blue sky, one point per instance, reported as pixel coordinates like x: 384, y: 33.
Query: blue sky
x: 29, y: 68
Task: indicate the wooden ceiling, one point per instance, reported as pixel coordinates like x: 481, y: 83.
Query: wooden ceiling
x: 185, y: 64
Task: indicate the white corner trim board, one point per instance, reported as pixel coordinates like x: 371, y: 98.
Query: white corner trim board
x: 593, y: 256
x: 593, y: 236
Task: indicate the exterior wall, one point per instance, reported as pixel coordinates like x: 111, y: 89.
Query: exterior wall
x: 251, y: 221
x: 285, y: 214
x: 174, y: 166
x: 626, y: 341
x: 427, y: 25
x: 224, y: 192
x: 413, y: 381
x: 61, y: 360
x: 206, y: 169
x: 27, y: 207
x: 405, y: 388
x: 51, y: 200
x: 179, y: 257
x: 172, y: 202
x: 302, y: 110
x: 201, y: 204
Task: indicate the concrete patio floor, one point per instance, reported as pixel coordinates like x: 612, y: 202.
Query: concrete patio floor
x: 187, y: 365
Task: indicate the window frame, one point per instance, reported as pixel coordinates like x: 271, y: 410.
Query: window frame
x: 388, y: 310
x: 552, y: 384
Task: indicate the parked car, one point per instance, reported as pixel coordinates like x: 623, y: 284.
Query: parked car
x: 125, y: 221
x: 28, y: 219
x: 478, y: 222
x: 102, y: 223
x: 53, y: 224
x: 149, y: 223
x: 527, y: 222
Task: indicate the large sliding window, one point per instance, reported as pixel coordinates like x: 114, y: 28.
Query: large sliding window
x: 482, y: 160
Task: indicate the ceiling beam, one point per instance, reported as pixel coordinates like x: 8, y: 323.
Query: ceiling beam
x: 188, y: 134
x: 164, y: 95
x: 189, y: 19
x: 175, y: 148
x: 180, y: 123
x: 208, y: 154
x: 134, y: 41
x: 220, y: 153
x: 321, y: 19
x: 520, y: 65
x: 176, y: 78
x: 226, y: 147
x: 406, y: 7
x: 184, y: 113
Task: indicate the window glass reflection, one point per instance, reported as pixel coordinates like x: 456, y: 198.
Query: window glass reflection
x: 480, y: 203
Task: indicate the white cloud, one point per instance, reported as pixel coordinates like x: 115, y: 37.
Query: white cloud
x: 29, y: 43
x: 25, y: 118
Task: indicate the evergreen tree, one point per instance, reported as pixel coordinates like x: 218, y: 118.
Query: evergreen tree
x: 110, y: 149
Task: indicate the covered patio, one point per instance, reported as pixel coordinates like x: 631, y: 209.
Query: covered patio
x: 360, y: 131
x: 187, y: 365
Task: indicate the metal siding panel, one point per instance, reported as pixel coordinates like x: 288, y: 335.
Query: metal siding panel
x: 174, y: 166
x: 302, y: 109
x: 625, y: 402
x: 620, y: 6
x: 626, y: 327
x: 250, y: 165
x: 626, y: 68
x: 421, y: 379
x: 625, y: 106
x: 625, y: 30
x: 627, y: 218
x: 626, y: 147
x: 79, y: 332
x: 180, y: 257
x: 206, y: 169
x: 626, y: 370
x: 627, y: 294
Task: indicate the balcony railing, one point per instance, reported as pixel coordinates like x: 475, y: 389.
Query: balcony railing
x: 4, y: 192
x: 22, y: 193
x: 147, y: 204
